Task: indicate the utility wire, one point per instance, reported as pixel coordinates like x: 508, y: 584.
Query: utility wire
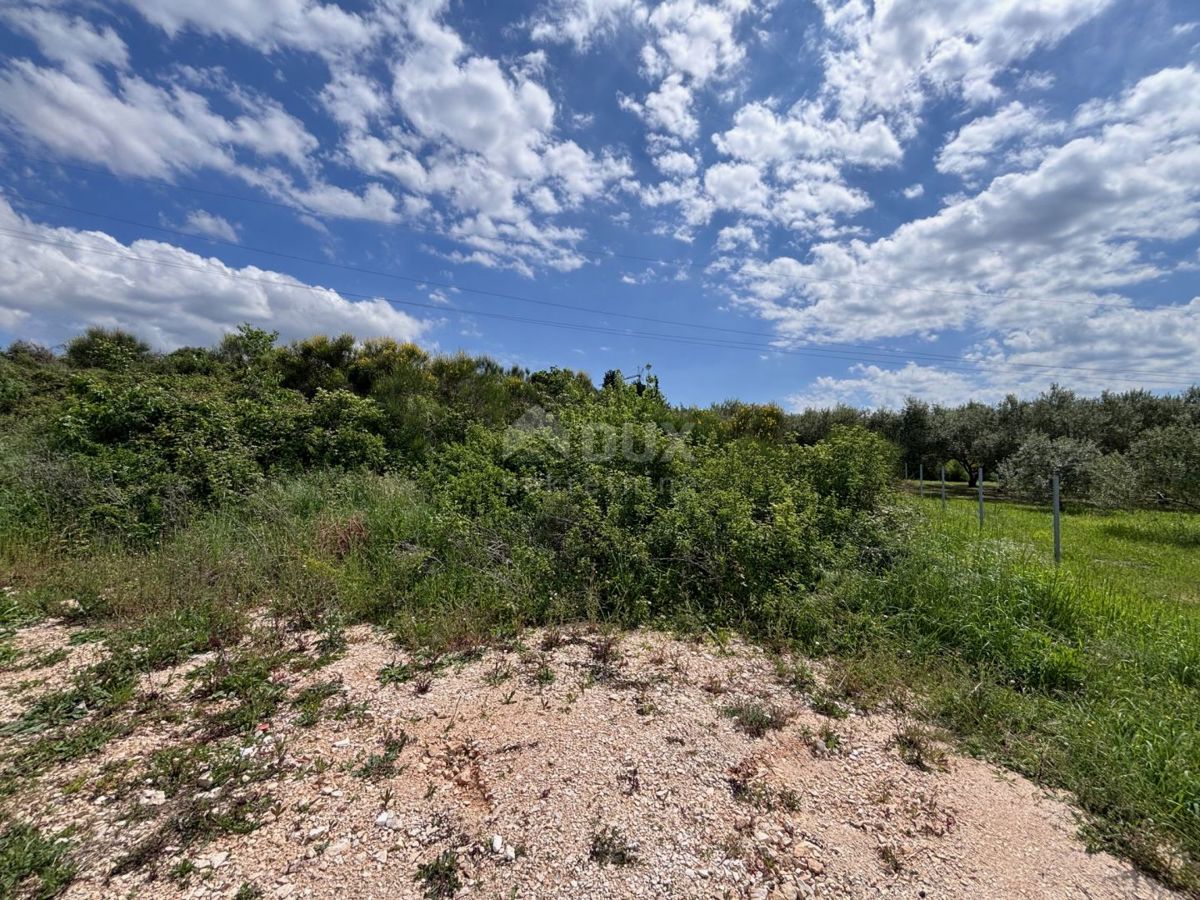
x: 969, y: 365
x: 864, y: 348
x: 678, y: 262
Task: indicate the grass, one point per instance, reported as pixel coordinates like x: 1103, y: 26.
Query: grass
x: 1084, y: 677
x: 1150, y: 554
x: 754, y: 718
x: 31, y: 865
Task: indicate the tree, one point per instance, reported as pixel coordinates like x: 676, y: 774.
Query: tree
x: 1027, y: 473
x: 969, y: 436
x: 106, y: 348
x: 1167, y: 464
x: 247, y: 346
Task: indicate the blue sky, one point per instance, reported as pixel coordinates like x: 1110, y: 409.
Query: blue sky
x: 799, y: 202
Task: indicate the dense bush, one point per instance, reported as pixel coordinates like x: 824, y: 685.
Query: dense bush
x: 106, y: 348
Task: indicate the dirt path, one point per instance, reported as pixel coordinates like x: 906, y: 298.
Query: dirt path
x: 575, y: 767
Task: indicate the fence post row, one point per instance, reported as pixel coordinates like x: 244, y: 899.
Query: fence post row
x: 943, y: 488
x: 981, y: 496
x: 921, y: 478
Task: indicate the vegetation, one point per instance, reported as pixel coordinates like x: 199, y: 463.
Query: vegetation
x: 30, y: 864
x: 162, y: 501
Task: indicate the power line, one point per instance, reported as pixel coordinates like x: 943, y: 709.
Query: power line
x: 970, y: 365
x: 678, y: 262
x: 863, y: 348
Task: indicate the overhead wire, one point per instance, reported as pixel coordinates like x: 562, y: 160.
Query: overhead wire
x: 679, y: 262
x: 426, y: 282
x: 959, y: 365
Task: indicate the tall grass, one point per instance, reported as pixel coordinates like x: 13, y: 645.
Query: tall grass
x: 1079, y: 681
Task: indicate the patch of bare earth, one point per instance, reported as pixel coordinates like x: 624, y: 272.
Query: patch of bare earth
x: 573, y: 767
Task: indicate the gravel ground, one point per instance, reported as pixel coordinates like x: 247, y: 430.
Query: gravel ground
x: 574, y: 765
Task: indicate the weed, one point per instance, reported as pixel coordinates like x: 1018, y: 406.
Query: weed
x: 422, y: 684
x: 440, y: 876
x: 610, y: 848
x: 826, y: 704
x: 544, y: 673
x: 795, y: 674
x: 396, y: 673
x: 830, y: 739
x: 32, y: 865
x: 606, y: 656
x: 499, y: 673
x: 182, y: 871
x: 311, y: 700
x: 248, y: 891
x: 891, y: 858
x: 755, y: 718
x: 918, y: 748
x: 383, y: 764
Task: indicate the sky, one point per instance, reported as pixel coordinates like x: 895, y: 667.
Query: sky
x: 806, y: 202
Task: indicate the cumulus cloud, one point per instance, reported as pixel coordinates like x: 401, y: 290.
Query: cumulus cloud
x: 210, y: 224
x: 872, y: 386
x: 979, y: 143
x: 268, y: 24
x: 65, y: 280
x: 889, y: 58
x: 1035, y: 258
x: 580, y: 22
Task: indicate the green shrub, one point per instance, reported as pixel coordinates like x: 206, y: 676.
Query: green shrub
x: 106, y: 348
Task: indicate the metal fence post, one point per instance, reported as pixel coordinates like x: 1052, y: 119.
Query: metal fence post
x: 921, y: 477
x: 1057, y: 520
x: 981, y: 496
x: 943, y: 488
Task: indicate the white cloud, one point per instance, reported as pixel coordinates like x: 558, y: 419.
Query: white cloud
x: 871, y: 386
x: 52, y: 290
x: 204, y: 222
x: 737, y: 186
x: 579, y: 22
x: 914, y: 191
x: 268, y: 24
x: 668, y: 109
x: 731, y: 237
x: 760, y: 135
x: 75, y: 44
x: 885, y: 57
x: 1080, y: 224
x: 140, y: 128
x: 977, y: 144
x: 676, y: 162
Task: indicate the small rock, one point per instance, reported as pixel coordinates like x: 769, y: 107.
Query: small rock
x: 389, y: 820
x: 342, y: 744
x: 152, y: 797
x: 497, y: 843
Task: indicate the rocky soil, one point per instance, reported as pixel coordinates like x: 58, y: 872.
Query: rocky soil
x: 570, y: 764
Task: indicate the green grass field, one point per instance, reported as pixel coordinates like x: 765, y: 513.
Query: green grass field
x: 1144, y: 554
